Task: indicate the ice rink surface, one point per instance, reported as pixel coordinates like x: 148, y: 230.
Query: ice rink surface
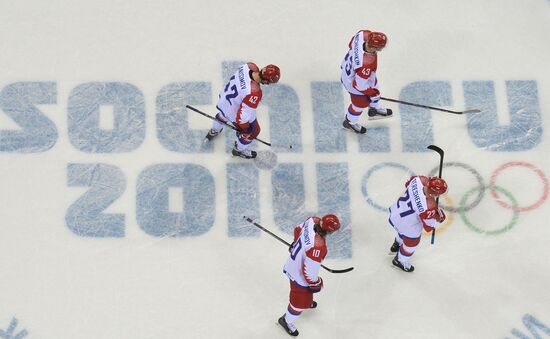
x: 116, y: 222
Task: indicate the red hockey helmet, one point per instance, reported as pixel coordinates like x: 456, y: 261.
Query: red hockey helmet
x: 436, y: 186
x: 330, y: 223
x: 270, y: 74
x: 377, y: 40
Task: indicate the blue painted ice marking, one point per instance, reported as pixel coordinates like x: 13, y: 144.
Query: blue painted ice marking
x: 328, y: 114
x: 288, y: 200
x: 243, y: 191
x: 38, y: 133
x: 173, y: 117
x: 83, y: 109
x: 534, y: 326
x: 284, y: 117
x: 266, y: 160
x: 288, y: 195
x: 416, y: 123
x: 152, y: 205
x: 525, y: 129
x: 85, y: 216
x: 329, y: 111
x: 333, y: 197
x: 18, y: 101
x: 9, y: 332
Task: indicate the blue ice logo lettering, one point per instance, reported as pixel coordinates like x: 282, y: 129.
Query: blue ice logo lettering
x: 534, y: 326
x: 9, y: 333
x: 106, y: 183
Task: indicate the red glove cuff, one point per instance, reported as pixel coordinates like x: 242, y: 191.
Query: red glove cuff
x: 371, y: 92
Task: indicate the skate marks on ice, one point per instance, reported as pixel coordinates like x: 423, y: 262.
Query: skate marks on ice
x: 266, y: 160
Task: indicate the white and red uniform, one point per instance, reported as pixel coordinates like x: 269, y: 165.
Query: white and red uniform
x: 302, y: 266
x: 238, y: 102
x: 413, y: 212
x: 359, y: 67
x: 358, y: 76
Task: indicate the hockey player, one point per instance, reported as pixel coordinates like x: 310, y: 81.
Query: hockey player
x: 238, y: 102
x: 415, y: 210
x: 358, y: 76
x: 302, y: 266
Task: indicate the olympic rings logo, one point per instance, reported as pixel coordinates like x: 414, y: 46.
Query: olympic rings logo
x: 502, y: 196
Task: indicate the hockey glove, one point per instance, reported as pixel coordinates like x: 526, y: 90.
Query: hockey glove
x: 245, y: 137
x: 428, y: 228
x: 317, y: 287
x: 371, y: 92
x: 249, y: 131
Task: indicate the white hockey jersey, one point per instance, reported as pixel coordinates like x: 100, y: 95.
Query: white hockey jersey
x: 240, y: 97
x: 306, y: 255
x: 359, y: 67
x: 413, y: 211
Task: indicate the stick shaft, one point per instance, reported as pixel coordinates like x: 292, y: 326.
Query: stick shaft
x: 267, y: 231
x: 441, y: 154
x: 288, y: 244
x: 223, y: 122
x: 430, y: 107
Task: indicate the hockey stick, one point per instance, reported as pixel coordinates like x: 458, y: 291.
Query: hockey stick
x: 430, y: 107
x: 288, y: 244
x: 231, y: 126
x: 441, y: 153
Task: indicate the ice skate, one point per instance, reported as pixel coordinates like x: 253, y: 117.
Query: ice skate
x: 289, y: 328
x: 405, y: 267
x: 247, y: 154
x: 354, y: 127
x: 394, y: 247
x: 211, y: 135
x: 381, y: 113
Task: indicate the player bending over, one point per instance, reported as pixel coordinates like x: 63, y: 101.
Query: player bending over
x: 358, y: 76
x: 307, y: 252
x: 415, y: 210
x: 238, y: 102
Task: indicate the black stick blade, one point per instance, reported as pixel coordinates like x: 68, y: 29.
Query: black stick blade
x: 437, y: 149
x: 337, y: 271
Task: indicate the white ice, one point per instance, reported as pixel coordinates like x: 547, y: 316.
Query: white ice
x: 58, y: 284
